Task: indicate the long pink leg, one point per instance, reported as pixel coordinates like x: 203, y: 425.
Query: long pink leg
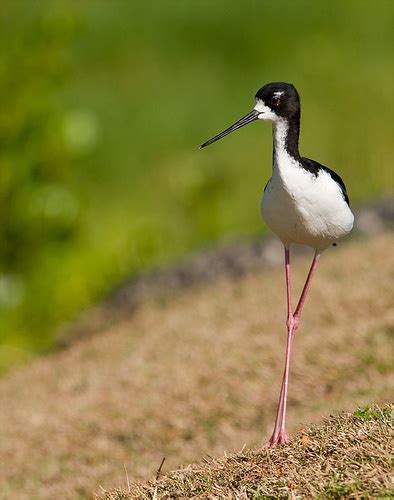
x: 305, y: 290
x: 293, y: 320
x: 278, y: 420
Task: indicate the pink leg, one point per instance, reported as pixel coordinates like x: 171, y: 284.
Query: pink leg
x: 283, y: 437
x: 305, y: 290
x: 278, y: 420
x: 279, y: 435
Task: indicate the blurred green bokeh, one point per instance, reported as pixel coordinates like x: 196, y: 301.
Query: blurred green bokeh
x: 103, y: 105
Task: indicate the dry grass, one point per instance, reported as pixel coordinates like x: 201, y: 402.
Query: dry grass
x: 197, y: 374
x: 348, y: 456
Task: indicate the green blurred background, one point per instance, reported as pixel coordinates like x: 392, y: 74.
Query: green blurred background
x: 103, y: 105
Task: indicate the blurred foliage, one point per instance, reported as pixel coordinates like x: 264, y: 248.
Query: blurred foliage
x: 39, y: 211
x: 103, y: 105
x: 36, y: 207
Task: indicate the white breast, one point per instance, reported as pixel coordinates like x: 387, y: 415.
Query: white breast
x: 303, y: 208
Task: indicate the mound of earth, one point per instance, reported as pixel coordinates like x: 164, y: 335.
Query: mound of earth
x: 348, y: 456
x: 198, y: 372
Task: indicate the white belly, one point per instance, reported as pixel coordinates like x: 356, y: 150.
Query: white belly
x: 302, y: 208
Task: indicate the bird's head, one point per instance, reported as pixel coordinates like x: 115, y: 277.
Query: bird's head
x: 274, y: 102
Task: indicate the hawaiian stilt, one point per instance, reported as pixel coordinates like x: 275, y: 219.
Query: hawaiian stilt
x: 304, y: 202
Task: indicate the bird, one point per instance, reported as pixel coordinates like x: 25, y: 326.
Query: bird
x: 303, y: 202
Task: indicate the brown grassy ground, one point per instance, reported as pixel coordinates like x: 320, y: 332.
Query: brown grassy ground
x: 348, y: 456
x: 198, y: 374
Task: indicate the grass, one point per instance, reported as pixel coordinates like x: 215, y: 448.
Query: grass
x: 199, y: 373
x: 344, y: 457
x: 146, y: 194
x: 368, y: 413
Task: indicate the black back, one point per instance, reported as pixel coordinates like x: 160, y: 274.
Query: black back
x: 314, y: 167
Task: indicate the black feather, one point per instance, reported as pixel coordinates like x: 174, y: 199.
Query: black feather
x: 314, y: 167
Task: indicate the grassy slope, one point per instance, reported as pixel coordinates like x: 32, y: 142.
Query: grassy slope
x: 198, y: 373
x: 348, y: 456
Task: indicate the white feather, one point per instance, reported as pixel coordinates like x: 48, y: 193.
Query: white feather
x: 301, y: 207
x: 266, y: 112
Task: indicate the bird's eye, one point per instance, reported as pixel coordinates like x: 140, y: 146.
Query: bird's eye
x: 276, y: 101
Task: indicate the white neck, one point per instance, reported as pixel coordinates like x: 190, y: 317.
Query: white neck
x: 280, y: 129
x: 283, y: 162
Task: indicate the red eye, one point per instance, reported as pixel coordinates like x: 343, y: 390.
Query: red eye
x: 276, y: 101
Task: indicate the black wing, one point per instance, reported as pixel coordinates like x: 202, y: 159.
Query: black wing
x: 314, y: 167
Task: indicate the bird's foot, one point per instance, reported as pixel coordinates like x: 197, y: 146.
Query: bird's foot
x: 281, y: 438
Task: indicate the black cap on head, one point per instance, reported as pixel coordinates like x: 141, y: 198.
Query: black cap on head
x: 281, y: 97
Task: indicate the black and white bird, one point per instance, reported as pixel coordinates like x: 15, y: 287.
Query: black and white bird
x: 304, y: 202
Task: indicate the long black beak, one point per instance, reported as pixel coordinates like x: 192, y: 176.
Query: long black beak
x: 250, y: 117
